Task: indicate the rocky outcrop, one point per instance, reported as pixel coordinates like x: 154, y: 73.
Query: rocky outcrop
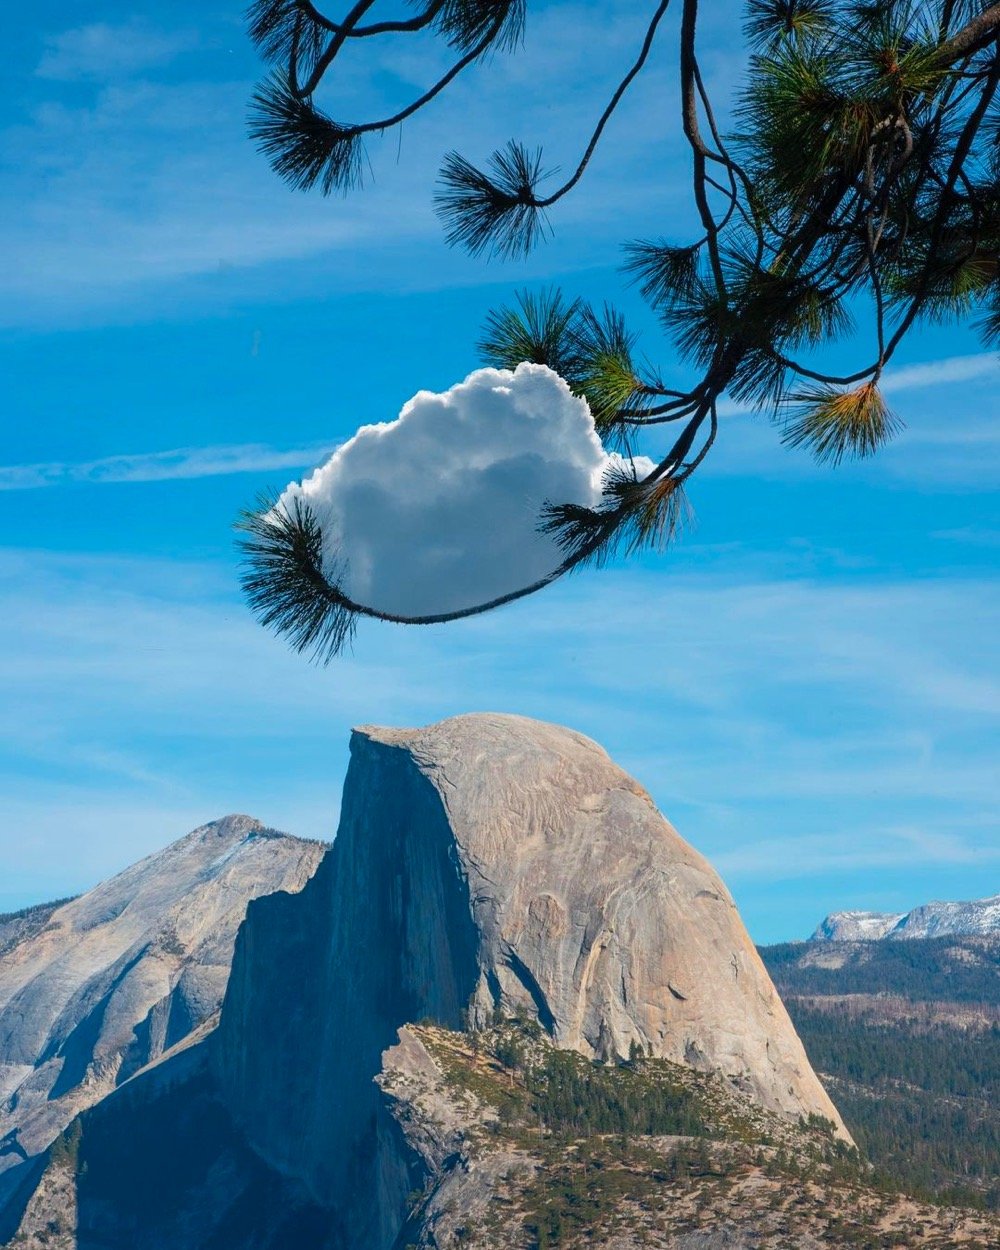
x: 977, y: 918
x: 501, y: 1165
x: 447, y: 1186
x: 49, y: 1221
x: 96, y: 988
x: 489, y: 864
x: 485, y: 868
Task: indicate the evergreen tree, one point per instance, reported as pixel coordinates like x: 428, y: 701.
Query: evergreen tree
x: 864, y: 180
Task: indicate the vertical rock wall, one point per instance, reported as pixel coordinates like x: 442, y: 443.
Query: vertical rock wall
x: 381, y: 935
x: 486, y: 862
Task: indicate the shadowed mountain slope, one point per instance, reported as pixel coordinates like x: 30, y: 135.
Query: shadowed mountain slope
x: 93, y: 989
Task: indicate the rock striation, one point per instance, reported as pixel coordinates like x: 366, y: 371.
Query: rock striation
x: 93, y: 989
x: 977, y: 918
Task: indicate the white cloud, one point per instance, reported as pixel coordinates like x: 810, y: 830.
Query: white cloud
x: 102, y: 50
x: 439, y: 509
x: 942, y: 372
x: 159, y: 466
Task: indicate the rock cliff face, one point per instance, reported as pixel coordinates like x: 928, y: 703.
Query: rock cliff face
x: 977, y: 918
x: 489, y: 863
x: 94, y: 989
x: 485, y: 868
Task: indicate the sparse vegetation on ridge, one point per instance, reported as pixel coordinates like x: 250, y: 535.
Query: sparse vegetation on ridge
x: 592, y: 1155
x: 19, y: 926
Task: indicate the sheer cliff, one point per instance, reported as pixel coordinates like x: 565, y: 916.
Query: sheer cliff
x: 489, y: 864
x: 486, y: 869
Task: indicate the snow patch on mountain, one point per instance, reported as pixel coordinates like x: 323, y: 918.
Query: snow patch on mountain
x: 975, y: 918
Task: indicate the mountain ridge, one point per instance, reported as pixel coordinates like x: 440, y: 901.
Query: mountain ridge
x: 95, y: 987
x: 935, y: 919
x: 510, y: 1007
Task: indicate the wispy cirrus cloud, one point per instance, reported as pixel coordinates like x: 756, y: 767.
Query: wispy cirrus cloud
x: 848, y: 850
x: 103, y: 50
x: 975, y: 437
x: 791, y: 729
x: 946, y: 372
x: 129, y: 167
x: 960, y: 450
x: 970, y: 535
x: 162, y: 466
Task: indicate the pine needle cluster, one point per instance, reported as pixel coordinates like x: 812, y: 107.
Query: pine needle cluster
x: 835, y: 423
x: 495, y: 212
x: 592, y: 351
x: 305, y: 147
x: 284, y: 580
x: 634, y: 514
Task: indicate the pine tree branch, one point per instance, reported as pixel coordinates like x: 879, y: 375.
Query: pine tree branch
x: 606, y: 116
x: 401, y: 26
x: 692, y: 132
x: 874, y: 172
x: 973, y: 37
x: 304, y: 90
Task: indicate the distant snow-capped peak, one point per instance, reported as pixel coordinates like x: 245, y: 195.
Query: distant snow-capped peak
x: 977, y: 917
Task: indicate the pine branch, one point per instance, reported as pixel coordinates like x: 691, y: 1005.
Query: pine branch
x: 538, y: 329
x: 868, y: 165
x: 498, y: 212
x: 769, y: 22
x: 662, y: 271
x: 502, y: 215
x: 284, y: 582
x: 304, y: 145
x: 467, y: 22
x: 979, y: 33
x: 605, y: 373
x: 292, y: 590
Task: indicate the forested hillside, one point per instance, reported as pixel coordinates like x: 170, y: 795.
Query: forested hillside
x: 906, y: 1037
x: 956, y: 970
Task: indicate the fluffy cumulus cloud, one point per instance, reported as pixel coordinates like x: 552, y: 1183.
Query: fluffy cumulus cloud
x: 439, y: 509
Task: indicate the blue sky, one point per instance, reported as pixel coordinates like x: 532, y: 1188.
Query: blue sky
x: 807, y: 684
